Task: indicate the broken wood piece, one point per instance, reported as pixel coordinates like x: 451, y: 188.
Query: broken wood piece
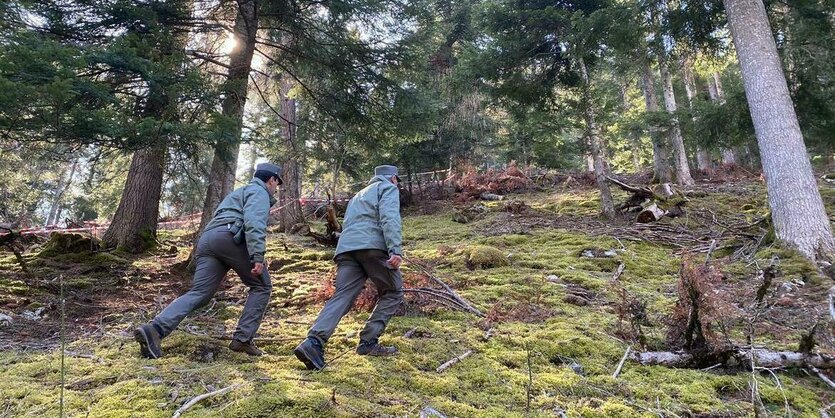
x: 651, y: 213
x: 197, y: 399
x: 618, y: 273
x: 488, y: 334
x: 735, y: 357
x: 452, y: 361
x: 491, y: 196
x: 622, y: 360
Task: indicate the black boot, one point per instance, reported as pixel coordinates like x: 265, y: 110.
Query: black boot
x: 310, y: 353
x: 245, y: 347
x: 149, y: 341
x: 375, y: 349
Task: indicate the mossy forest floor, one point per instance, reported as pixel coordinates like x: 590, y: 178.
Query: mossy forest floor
x: 519, y: 269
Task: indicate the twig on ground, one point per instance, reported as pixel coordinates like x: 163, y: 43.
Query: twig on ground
x: 452, y: 361
x: 197, y: 399
x: 622, y: 360
x: 446, y: 287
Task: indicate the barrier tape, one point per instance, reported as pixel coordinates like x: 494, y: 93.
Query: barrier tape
x: 92, y: 227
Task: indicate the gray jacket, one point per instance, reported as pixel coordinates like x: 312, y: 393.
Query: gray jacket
x: 372, y: 220
x: 250, y: 204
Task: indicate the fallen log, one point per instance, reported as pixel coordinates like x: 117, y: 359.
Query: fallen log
x: 734, y: 357
x: 651, y: 204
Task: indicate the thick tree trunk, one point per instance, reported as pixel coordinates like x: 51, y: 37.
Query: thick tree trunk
x: 797, y: 209
x: 289, y: 192
x: 597, y: 147
x: 64, y: 184
x: 679, y: 153
x: 225, y: 159
x: 660, y: 160
x: 134, y: 224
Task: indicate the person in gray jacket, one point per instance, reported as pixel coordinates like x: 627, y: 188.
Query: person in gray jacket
x: 236, y: 238
x: 368, y: 248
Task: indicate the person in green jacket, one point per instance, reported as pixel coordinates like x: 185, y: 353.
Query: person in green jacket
x: 236, y: 238
x: 370, y: 247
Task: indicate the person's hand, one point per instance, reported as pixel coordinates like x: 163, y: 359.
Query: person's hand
x: 394, y: 261
x: 257, y: 269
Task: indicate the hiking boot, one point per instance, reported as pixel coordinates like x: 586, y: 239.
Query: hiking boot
x: 148, y: 339
x: 375, y: 349
x: 245, y: 347
x: 310, y: 353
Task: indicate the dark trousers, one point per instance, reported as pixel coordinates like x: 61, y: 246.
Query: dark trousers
x: 352, y: 269
x: 216, y: 254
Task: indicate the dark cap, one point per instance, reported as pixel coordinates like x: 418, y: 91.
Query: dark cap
x: 271, y: 168
x: 386, y: 171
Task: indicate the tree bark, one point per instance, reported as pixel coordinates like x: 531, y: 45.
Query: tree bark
x: 660, y: 161
x: 64, y: 183
x: 225, y: 159
x: 289, y: 193
x: 737, y: 357
x: 679, y: 153
x: 596, y: 146
x: 797, y: 209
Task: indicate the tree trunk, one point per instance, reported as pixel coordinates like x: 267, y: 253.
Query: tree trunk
x: 797, y: 209
x: 660, y: 161
x: 225, y: 159
x: 702, y: 157
x: 134, y: 224
x: 679, y: 153
x: 597, y: 146
x: 64, y: 183
x: 289, y: 193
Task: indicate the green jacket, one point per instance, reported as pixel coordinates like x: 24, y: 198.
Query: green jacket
x: 250, y: 204
x: 372, y: 220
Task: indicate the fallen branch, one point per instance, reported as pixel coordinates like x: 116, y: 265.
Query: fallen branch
x: 452, y: 361
x: 449, y: 291
x: 622, y: 360
x: 197, y: 399
x: 822, y: 376
x: 735, y: 357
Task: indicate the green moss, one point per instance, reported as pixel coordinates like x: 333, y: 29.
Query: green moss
x: 483, y: 256
x: 491, y: 382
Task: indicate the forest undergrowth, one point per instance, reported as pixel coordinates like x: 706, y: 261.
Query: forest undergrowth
x: 564, y: 295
